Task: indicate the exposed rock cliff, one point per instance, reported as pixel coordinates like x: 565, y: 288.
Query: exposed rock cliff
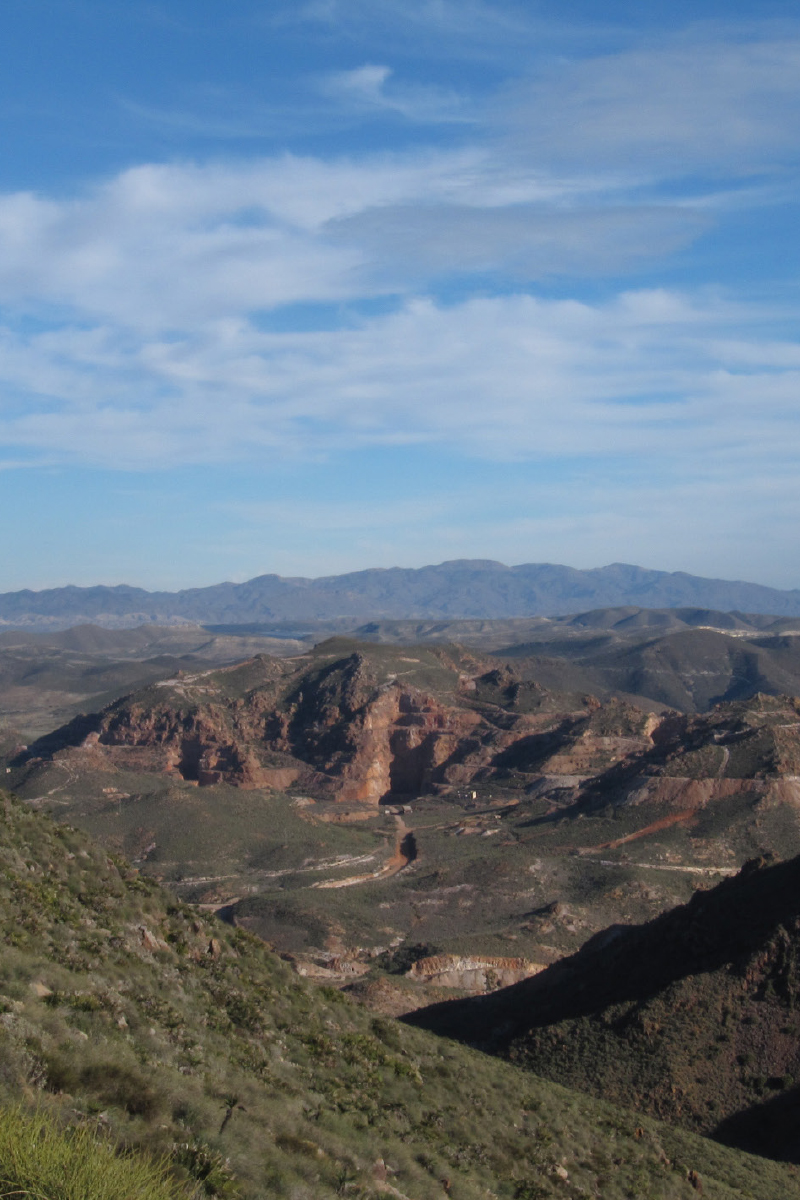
x: 364, y: 723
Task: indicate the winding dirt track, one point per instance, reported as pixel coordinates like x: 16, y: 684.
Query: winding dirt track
x: 703, y: 871
x: 405, y: 851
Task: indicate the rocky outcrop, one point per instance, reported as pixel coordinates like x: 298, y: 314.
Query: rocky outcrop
x: 401, y: 744
x: 363, y: 725
x: 471, y: 973
x: 338, y: 726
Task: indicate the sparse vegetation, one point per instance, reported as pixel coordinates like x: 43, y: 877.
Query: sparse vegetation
x: 687, y: 1017
x: 125, y: 1011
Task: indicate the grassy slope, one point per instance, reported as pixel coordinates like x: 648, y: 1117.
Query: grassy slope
x: 124, y: 1009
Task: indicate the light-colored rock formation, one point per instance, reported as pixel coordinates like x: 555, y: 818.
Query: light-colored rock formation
x: 471, y: 973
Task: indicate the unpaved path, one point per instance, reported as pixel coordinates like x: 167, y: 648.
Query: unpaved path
x: 615, y: 862
x: 726, y: 757
x: 72, y: 777
x: 327, y: 864
x: 405, y: 851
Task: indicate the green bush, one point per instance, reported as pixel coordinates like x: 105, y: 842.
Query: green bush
x: 42, y: 1162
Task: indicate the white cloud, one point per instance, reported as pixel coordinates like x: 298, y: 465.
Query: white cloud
x: 373, y: 87
x: 649, y: 375
x: 690, y: 104
x: 364, y: 83
x: 166, y: 247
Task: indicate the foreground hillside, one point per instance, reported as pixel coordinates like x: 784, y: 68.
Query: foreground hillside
x: 692, y: 1017
x: 127, y: 1012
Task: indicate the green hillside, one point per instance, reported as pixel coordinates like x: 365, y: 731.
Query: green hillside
x: 131, y: 1016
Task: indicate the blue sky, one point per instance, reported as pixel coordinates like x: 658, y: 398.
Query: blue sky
x: 311, y: 287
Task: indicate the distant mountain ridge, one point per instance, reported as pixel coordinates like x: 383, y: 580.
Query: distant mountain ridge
x: 462, y: 588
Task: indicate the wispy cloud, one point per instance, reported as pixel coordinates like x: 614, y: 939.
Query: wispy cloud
x: 523, y: 241
x: 145, y: 322
x: 507, y: 378
x: 164, y: 247
x: 374, y: 88
x: 704, y: 104
x: 134, y: 324
x: 464, y: 23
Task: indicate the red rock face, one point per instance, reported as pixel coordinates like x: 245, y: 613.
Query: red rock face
x: 204, y: 748
x: 346, y: 728
x: 357, y: 742
x: 401, y: 744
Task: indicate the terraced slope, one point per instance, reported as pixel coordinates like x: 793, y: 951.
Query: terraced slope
x: 125, y: 1010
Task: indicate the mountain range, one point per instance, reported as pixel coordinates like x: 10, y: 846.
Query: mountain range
x: 462, y: 588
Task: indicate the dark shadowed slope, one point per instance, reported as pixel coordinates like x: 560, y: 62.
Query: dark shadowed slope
x: 691, y: 1016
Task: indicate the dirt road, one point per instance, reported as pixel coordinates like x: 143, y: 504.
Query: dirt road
x: 405, y: 851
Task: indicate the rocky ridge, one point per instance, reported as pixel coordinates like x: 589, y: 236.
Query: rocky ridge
x: 346, y: 724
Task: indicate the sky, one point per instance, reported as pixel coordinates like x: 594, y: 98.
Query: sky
x: 311, y: 287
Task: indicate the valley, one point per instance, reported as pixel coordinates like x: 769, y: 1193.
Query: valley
x: 464, y: 835
x: 366, y: 807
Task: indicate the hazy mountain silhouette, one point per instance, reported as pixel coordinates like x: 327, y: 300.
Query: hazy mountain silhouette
x: 461, y: 588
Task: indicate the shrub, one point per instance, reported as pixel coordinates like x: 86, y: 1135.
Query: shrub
x: 39, y: 1159
x: 207, y: 1168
